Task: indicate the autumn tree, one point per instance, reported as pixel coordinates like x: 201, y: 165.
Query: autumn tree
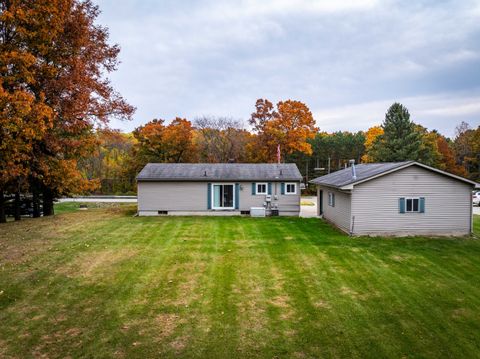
x: 467, y: 149
x: 157, y: 142
x: 221, y: 140
x: 370, y: 137
x: 289, y: 126
x: 109, y: 160
x: 447, y: 161
x: 178, y: 141
x: 428, y: 152
x: 72, y: 60
x: 25, y: 117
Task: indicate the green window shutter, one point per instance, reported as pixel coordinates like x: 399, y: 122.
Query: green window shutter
x: 422, y: 204
x: 269, y: 188
x: 333, y: 200
x: 282, y: 188
x: 401, y: 205
x: 254, y: 190
x: 237, y: 196
x: 209, y: 195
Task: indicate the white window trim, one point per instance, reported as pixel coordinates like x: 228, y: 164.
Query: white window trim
x: 261, y: 183
x: 213, y: 194
x: 331, y: 199
x: 412, y: 198
x: 286, y: 188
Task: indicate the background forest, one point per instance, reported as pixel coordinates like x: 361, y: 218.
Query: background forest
x: 120, y: 156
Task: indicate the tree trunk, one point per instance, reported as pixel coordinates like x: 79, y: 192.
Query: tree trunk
x: 35, y: 202
x: 3, y: 218
x: 47, y: 202
x: 16, y: 210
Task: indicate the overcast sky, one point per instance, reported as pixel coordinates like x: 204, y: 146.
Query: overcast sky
x: 347, y: 60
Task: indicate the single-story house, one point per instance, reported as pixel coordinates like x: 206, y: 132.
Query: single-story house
x: 399, y: 198
x: 218, y: 189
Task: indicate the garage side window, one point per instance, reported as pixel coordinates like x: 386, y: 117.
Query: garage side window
x: 412, y: 205
x: 331, y: 199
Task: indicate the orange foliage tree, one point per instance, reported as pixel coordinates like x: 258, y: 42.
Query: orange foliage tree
x: 156, y: 142
x: 370, y: 137
x: 24, y: 117
x: 289, y: 126
x: 72, y: 60
x: 447, y: 162
x: 53, y: 51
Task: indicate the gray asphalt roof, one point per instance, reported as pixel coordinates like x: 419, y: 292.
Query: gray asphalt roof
x: 219, y: 172
x: 364, y: 170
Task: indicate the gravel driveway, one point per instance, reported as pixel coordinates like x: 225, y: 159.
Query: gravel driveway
x: 309, y: 211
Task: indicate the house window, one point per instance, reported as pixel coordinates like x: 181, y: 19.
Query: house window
x: 331, y: 199
x: 290, y: 188
x: 261, y: 188
x: 223, y: 196
x: 412, y: 205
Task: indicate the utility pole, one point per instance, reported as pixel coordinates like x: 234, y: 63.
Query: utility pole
x: 306, y: 174
x: 328, y: 164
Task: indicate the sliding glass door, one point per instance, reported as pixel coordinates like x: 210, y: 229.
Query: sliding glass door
x: 223, y: 196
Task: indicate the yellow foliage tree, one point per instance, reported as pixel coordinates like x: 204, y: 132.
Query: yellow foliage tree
x: 370, y: 137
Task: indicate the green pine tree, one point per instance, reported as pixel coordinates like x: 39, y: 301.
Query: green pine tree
x: 400, y: 140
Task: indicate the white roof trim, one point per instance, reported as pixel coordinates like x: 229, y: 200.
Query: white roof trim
x: 413, y: 163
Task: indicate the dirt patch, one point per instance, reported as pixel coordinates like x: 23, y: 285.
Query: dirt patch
x: 73, y: 332
x: 20, y: 251
x: 91, y: 264
x: 185, y: 279
x: 280, y: 302
x: 322, y: 304
x: 461, y: 313
x: 349, y: 292
x: 179, y: 344
x: 399, y: 258
x: 160, y: 327
x: 166, y: 324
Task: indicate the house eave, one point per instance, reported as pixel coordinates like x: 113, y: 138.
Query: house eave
x: 207, y: 179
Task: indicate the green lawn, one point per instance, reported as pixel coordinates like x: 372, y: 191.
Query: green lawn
x: 101, y: 283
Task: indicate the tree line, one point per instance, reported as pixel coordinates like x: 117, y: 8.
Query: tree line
x: 289, y: 125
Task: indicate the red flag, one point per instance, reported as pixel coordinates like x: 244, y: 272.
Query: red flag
x: 278, y: 153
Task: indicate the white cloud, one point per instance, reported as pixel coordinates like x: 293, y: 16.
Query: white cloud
x: 342, y: 58
x: 443, y: 111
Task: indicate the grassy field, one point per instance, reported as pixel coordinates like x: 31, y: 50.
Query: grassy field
x: 101, y: 283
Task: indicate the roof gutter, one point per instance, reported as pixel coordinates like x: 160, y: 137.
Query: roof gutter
x: 207, y: 179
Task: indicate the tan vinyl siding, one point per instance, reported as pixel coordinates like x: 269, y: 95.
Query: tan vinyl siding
x: 447, y: 204
x: 192, y: 196
x: 289, y: 205
x: 340, y: 213
x: 172, y: 196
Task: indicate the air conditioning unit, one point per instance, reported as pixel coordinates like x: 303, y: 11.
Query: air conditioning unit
x: 257, y: 212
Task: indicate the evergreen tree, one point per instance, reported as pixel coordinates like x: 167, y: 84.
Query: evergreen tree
x: 400, y: 140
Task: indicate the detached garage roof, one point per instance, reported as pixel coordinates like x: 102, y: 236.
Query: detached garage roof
x: 344, y: 179
x: 219, y: 172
